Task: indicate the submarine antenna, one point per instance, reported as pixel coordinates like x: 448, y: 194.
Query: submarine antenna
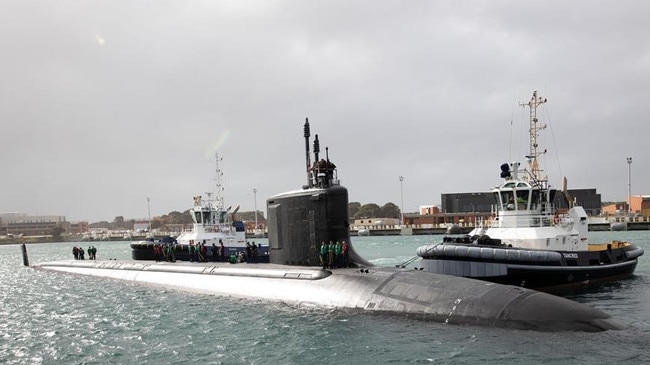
x: 306, y: 135
x: 316, y: 148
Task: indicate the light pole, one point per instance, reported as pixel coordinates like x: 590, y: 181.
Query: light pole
x: 629, y: 186
x: 149, y: 212
x: 255, y: 198
x: 401, y: 194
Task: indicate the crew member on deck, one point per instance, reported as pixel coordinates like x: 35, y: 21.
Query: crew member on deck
x: 203, y: 251
x: 253, y: 253
x: 222, y: 251
x: 323, y: 254
x: 330, y: 254
x: 338, y: 255
x: 248, y: 252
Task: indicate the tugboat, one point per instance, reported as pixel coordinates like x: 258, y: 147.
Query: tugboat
x: 213, y: 223
x: 529, y: 242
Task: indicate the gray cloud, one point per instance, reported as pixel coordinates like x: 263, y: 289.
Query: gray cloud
x: 106, y: 103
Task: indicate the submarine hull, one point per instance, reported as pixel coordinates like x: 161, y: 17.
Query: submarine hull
x: 411, y: 293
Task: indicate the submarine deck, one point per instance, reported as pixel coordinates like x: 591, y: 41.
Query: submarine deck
x: 263, y: 270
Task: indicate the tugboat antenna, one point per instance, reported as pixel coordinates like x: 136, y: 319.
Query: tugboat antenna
x: 534, y: 129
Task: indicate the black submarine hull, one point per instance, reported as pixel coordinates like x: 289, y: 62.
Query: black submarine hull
x: 411, y: 293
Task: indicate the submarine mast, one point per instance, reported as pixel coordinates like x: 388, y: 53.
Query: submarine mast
x: 307, y: 134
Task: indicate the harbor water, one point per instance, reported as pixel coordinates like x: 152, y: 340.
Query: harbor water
x: 55, y: 318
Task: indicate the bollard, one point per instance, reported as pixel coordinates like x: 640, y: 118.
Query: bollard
x: 25, y: 259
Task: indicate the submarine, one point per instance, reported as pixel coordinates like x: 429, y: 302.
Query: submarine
x: 298, y: 221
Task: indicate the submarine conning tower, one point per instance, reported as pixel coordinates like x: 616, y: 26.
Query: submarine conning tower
x: 298, y: 221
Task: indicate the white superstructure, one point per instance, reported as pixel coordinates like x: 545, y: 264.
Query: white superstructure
x: 525, y: 215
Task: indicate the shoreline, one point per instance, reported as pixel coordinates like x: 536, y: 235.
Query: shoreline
x: 632, y: 226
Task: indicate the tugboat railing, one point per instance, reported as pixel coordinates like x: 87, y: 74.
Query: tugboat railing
x: 518, y: 221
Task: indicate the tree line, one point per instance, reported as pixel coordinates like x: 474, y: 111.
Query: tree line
x: 355, y: 211
x: 170, y: 219
x: 372, y: 210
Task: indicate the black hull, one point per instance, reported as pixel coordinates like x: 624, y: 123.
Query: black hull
x: 548, y: 271
x: 560, y: 279
x: 145, y: 251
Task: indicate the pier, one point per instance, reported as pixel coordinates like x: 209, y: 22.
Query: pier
x: 639, y: 224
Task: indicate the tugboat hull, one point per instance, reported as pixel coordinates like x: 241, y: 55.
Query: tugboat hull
x: 145, y: 251
x: 549, y: 271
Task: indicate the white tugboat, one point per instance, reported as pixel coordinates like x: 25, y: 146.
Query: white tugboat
x: 529, y: 242
x: 213, y: 223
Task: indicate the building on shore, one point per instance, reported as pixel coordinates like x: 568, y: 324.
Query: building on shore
x: 17, y: 224
x: 468, y: 209
x: 589, y: 199
x: 639, y: 205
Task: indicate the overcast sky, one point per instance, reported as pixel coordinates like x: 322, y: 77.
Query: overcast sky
x: 106, y: 103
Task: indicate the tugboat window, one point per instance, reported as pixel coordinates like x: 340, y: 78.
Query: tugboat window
x: 508, y: 200
x: 535, y: 201
x: 497, y: 200
x: 522, y: 199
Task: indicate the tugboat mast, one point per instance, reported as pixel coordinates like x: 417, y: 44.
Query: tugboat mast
x: 534, y: 102
x: 218, y: 179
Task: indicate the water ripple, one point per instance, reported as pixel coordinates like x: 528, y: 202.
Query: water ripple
x: 57, y: 318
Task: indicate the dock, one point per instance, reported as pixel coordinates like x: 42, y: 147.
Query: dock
x: 465, y: 229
